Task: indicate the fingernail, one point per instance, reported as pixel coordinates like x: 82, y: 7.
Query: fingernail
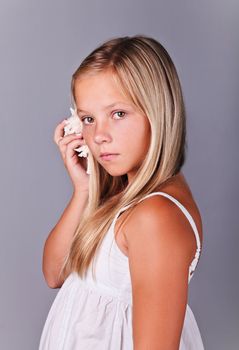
x: 80, y: 133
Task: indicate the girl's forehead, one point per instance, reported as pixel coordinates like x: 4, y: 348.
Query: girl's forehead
x: 102, y: 86
x: 105, y: 91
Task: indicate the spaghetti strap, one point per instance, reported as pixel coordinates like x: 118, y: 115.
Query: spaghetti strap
x: 188, y: 216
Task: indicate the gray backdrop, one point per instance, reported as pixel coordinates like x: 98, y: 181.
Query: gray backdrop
x: 42, y: 43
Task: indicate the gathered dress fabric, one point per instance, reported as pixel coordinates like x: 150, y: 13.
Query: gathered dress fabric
x: 89, y: 314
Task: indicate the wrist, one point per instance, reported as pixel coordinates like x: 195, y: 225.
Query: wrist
x: 80, y: 192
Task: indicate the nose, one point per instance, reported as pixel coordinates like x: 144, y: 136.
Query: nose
x: 102, y: 133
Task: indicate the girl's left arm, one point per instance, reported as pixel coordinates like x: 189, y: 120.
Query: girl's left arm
x: 160, y: 245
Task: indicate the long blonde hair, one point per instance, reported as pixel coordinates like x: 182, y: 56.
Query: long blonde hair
x: 146, y: 75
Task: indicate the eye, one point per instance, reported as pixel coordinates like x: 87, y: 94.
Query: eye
x: 83, y: 118
x: 88, y: 117
x: 120, y: 112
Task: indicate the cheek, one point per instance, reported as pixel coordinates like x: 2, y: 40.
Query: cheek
x: 86, y: 135
x: 140, y: 136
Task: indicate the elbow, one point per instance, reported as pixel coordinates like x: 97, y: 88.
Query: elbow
x: 53, y: 285
x: 52, y: 275
x: 51, y: 280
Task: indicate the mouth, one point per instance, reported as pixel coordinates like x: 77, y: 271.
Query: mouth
x: 108, y: 156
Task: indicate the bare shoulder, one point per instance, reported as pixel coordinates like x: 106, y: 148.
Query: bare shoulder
x: 158, y: 223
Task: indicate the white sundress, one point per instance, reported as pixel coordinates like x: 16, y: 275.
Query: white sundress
x: 97, y: 315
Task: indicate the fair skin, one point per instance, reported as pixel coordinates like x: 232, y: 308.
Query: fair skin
x: 120, y: 129
x: 159, y: 265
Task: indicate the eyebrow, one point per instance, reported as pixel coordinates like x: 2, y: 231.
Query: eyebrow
x: 107, y: 107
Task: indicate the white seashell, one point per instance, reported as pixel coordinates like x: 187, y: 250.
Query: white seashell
x: 74, y: 126
x: 83, y: 149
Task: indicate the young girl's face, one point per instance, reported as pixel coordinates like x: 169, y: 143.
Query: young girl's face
x: 111, y: 124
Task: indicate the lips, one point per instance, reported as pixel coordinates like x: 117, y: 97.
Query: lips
x: 107, y: 154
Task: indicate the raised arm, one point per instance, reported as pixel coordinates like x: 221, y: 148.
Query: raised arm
x: 58, y: 242
x: 161, y: 246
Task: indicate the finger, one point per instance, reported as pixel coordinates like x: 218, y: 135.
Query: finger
x: 65, y: 140
x: 70, y: 152
x: 59, y: 131
x: 77, y: 142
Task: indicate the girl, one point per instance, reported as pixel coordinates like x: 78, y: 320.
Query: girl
x: 129, y: 241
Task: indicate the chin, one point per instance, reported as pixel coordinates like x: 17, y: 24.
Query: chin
x: 115, y: 172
